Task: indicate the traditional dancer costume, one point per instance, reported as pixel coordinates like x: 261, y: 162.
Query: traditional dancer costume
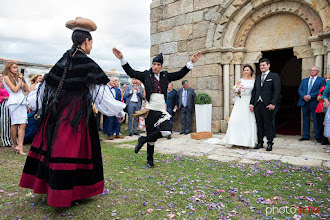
x: 65, y: 157
x: 158, y: 119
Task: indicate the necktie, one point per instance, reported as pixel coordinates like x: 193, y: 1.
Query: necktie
x: 310, y: 85
x: 263, y: 77
x: 184, y: 98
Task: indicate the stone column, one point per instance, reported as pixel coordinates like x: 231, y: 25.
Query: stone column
x: 318, y: 51
x: 326, y: 43
x: 226, y: 59
x: 237, y: 61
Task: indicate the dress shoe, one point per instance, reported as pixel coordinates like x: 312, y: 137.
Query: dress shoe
x: 181, y: 132
x: 140, y: 143
x: 136, y: 133
x: 130, y: 134
x: 110, y: 137
x: 119, y: 136
x: 304, y: 139
x: 318, y: 140
x: 258, y: 146
x: 169, y: 137
x: 186, y: 133
x: 150, y: 164
x: 269, y: 147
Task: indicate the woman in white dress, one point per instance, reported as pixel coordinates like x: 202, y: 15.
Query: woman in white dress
x: 15, y: 83
x: 242, y: 127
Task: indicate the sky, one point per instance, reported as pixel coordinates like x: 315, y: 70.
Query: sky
x: 34, y: 30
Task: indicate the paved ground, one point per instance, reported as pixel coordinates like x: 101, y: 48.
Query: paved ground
x: 286, y: 149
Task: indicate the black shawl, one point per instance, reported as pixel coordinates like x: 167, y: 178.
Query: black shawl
x: 74, y: 96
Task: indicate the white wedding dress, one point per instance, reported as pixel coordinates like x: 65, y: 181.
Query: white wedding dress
x: 242, y: 127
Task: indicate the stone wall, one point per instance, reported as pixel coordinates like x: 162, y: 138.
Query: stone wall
x: 226, y: 31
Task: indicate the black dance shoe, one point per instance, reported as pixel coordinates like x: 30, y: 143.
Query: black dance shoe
x: 258, y: 146
x: 138, y: 146
x: 269, y: 147
x: 150, y: 164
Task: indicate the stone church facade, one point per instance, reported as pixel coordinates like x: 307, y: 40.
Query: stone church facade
x: 293, y: 34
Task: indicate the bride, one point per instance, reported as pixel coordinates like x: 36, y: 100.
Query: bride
x: 242, y: 127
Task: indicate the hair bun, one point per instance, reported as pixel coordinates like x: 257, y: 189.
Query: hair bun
x: 80, y: 23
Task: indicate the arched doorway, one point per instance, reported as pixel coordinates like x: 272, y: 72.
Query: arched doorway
x: 288, y: 67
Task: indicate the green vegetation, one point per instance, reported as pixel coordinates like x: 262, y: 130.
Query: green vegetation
x: 179, y: 187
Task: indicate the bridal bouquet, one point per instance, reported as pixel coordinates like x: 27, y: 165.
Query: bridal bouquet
x: 238, y: 89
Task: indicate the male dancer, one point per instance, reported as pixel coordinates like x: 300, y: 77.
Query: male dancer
x: 155, y: 81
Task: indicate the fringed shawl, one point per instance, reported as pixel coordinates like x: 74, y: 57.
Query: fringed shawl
x: 74, y: 96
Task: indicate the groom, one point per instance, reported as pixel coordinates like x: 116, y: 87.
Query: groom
x: 265, y: 96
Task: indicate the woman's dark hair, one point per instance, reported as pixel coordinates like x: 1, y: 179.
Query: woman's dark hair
x: 250, y: 67
x: 78, y: 37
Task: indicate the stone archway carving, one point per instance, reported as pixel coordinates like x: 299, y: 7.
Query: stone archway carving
x: 238, y: 12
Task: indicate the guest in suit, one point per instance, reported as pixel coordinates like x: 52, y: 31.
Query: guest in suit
x: 265, y: 96
x: 134, y: 96
x: 171, y: 102
x: 113, y: 122
x: 308, y: 91
x: 186, y: 99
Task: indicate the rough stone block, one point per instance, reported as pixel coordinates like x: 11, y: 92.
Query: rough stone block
x: 182, y: 46
x: 169, y: 48
x: 156, y: 14
x: 307, y: 63
x: 196, y: 44
x: 180, y: 20
x: 154, y: 4
x: 201, y: 135
x: 200, y: 30
x: 223, y: 125
x: 211, y: 58
x: 162, y: 37
x: 178, y: 60
x: 153, y: 28
x: 215, y: 125
x: 166, y: 24
x: 209, y: 82
x: 182, y: 32
x: 207, y: 70
x: 301, y: 161
x: 154, y: 50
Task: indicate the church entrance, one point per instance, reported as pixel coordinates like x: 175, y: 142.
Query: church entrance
x: 288, y: 116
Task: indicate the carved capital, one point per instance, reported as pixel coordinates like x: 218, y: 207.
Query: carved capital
x: 326, y: 44
x: 238, y: 58
x: 226, y: 57
x: 317, y: 48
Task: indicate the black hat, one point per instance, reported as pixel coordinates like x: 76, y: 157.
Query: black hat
x: 158, y: 59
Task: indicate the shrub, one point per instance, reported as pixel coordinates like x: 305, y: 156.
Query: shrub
x: 203, y: 98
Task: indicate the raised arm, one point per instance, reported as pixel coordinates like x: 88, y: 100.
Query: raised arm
x: 181, y: 73
x: 128, y: 69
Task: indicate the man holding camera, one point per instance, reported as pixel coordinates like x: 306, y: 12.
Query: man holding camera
x: 134, y: 96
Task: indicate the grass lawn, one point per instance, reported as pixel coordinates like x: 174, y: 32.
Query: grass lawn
x: 179, y: 187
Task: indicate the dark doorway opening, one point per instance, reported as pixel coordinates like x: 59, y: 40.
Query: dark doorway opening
x: 288, y: 116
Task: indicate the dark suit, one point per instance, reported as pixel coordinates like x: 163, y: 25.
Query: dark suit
x: 309, y: 107
x: 186, y: 111
x: 269, y: 93
x: 113, y: 125
x: 171, y: 102
x: 133, y: 106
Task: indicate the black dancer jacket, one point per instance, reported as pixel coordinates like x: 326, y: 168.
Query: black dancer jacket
x: 146, y: 78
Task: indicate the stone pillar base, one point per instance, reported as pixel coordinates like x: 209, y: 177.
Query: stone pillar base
x: 223, y: 126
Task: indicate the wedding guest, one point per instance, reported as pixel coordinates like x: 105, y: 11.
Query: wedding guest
x: 186, y: 99
x: 14, y: 83
x: 4, y: 117
x: 242, y: 126
x: 36, y: 78
x: 308, y: 92
x: 320, y: 113
x: 171, y: 102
